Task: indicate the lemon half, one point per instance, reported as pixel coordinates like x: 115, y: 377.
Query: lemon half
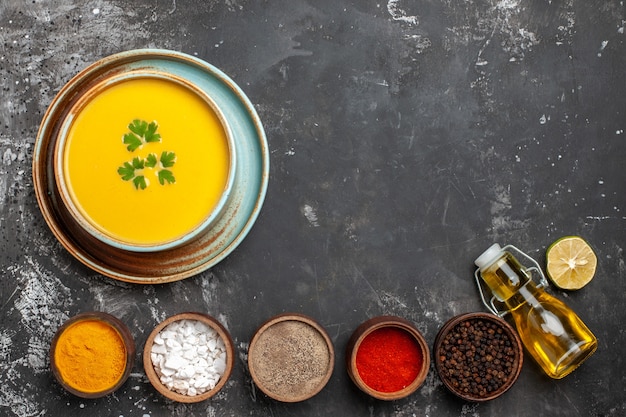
x: 570, y: 263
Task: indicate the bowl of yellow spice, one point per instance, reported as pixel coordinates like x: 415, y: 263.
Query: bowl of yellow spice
x: 92, y: 354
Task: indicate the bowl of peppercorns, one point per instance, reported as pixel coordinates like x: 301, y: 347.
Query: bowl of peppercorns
x: 478, y: 356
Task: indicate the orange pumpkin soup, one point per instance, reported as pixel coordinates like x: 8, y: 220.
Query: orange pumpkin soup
x: 145, y: 161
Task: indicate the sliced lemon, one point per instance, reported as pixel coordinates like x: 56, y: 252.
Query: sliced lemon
x: 570, y: 263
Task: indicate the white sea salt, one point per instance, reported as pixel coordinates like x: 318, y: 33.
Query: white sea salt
x: 189, y: 357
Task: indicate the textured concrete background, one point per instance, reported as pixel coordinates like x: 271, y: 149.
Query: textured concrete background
x: 405, y: 136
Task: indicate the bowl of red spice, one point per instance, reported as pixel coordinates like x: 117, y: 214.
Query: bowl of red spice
x: 387, y: 358
x: 478, y: 356
x: 92, y: 354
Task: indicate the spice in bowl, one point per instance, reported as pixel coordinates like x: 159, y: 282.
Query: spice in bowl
x: 387, y: 358
x: 92, y: 354
x: 478, y: 356
x: 290, y: 358
x: 189, y: 357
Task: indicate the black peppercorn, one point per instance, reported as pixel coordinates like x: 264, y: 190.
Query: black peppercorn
x: 477, y: 358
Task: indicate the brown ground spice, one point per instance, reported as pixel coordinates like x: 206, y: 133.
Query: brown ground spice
x: 290, y: 359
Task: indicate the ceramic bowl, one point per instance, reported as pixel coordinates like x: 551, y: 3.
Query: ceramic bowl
x: 291, y: 357
x: 393, y: 324
x: 500, y: 348
x: 69, y: 199
x: 110, y: 322
x: 154, y: 377
x: 222, y: 231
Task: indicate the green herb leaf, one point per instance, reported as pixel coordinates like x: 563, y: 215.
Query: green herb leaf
x: 138, y: 163
x: 140, y: 182
x: 132, y: 141
x: 166, y: 175
x: 168, y: 159
x: 151, y: 160
x: 150, y: 134
x: 138, y: 127
x: 126, y: 171
x: 141, y: 132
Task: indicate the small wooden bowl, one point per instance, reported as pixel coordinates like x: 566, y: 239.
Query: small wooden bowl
x: 125, y: 336
x: 291, y: 357
x: 363, y: 331
x: 504, y: 331
x: 154, y: 378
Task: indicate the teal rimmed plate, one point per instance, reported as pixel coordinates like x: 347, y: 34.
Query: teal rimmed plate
x: 245, y: 196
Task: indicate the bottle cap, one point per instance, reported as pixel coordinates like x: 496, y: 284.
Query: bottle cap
x: 489, y: 256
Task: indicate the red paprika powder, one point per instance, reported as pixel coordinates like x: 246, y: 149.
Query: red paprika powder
x: 388, y: 359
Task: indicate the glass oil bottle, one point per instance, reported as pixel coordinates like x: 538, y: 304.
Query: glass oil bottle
x: 552, y: 333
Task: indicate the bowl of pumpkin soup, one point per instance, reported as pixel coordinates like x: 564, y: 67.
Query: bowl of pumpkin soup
x: 150, y: 166
x: 145, y: 161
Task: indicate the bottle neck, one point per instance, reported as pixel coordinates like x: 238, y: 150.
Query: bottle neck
x: 526, y: 294
x: 505, y: 277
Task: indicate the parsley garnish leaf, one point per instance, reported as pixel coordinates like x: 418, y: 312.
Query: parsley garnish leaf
x: 167, y: 159
x: 126, y: 171
x: 140, y: 182
x: 151, y: 160
x: 138, y: 127
x: 132, y: 141
x: 141, y: 132
x: 150, y: 135
x: 166, y: 175
x: 138, y: 163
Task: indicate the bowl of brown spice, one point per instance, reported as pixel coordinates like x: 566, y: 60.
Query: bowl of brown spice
x: 291, y: 357
x: 478, y: 356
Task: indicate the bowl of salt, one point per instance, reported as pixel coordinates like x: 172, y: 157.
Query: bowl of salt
x: 189, y: 357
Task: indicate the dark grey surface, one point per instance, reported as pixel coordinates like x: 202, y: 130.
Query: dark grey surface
x: 405, y: 137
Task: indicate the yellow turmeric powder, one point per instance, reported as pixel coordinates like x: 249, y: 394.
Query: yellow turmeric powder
x: 90, y: 356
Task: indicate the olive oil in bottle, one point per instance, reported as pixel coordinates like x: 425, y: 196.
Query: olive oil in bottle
x: 552, y: 333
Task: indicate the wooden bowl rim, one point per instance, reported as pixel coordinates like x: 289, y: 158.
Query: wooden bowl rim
x: 154, y: 378
x: 364, y: 330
